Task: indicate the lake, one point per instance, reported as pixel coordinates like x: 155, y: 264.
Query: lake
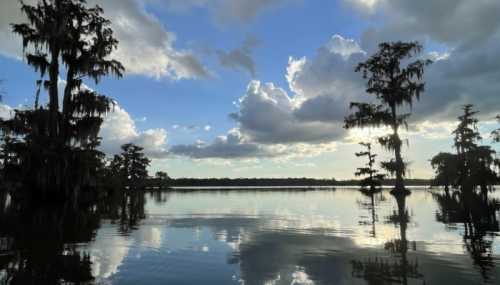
x: 324, y: 236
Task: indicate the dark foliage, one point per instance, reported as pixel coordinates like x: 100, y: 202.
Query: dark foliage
x: 130, y: 167
x: 475, y: 163
x: 236, y: 182
x: 51, y: 151
x: 41, y: 245
x: 446, y: 167
x: 397, y: 268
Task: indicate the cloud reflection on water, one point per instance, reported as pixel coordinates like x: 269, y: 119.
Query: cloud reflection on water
x: 318, y: 237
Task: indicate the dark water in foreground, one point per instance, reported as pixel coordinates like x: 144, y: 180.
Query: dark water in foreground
x: 250, y: 237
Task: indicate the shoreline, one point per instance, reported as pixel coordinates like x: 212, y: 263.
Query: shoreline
x: 274, y: 188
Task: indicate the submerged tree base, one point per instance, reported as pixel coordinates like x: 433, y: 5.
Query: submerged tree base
x: 370, y: 192
x: 403, y: 192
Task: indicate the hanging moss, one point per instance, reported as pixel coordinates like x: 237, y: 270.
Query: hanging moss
x: 50, y: 152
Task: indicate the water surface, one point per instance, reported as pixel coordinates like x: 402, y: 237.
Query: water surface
x: 258, y: 237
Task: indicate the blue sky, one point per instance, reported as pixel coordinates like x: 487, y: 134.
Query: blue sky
x: 190, y: 66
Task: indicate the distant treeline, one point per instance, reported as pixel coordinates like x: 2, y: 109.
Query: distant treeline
x: 214, y: 182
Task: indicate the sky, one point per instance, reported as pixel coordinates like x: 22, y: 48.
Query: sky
x: 259, y: 88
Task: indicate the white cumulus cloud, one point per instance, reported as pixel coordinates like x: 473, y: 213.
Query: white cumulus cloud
x: 119, y: 128
x: 267, y: 115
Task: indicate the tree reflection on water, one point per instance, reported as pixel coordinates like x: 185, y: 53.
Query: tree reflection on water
x: 39, y: 245
x: 397, y: 268
x: 477, y: 213
x: 97, y: 242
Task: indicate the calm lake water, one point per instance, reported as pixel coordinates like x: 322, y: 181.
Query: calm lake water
x: 258, y: 237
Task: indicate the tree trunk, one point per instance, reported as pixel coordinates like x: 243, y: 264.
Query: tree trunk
x: 399, y: 187
x: 484, y: 190
x: 53, y: 93
x: 374, y: 233
x: 400, y: 165
x: 66, y: 105
x: 372, y: 183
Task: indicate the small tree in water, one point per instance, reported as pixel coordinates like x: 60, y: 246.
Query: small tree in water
x: 162, y: 179
x: 465, y: 142
x: 131, y: 165
x: 393, y: 86
x: 373, y: 179
x: 474, y: 162
x: 162, y: 175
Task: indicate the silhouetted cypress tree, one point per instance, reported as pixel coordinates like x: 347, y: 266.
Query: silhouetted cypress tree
x: 130, y: 166
x: 393, y: 85
x: 162, y: 179
x: 68, y: 32
x: 162, y: 175
x: 58, y: 150
x: 474, y: 162
x: 465, y: 142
